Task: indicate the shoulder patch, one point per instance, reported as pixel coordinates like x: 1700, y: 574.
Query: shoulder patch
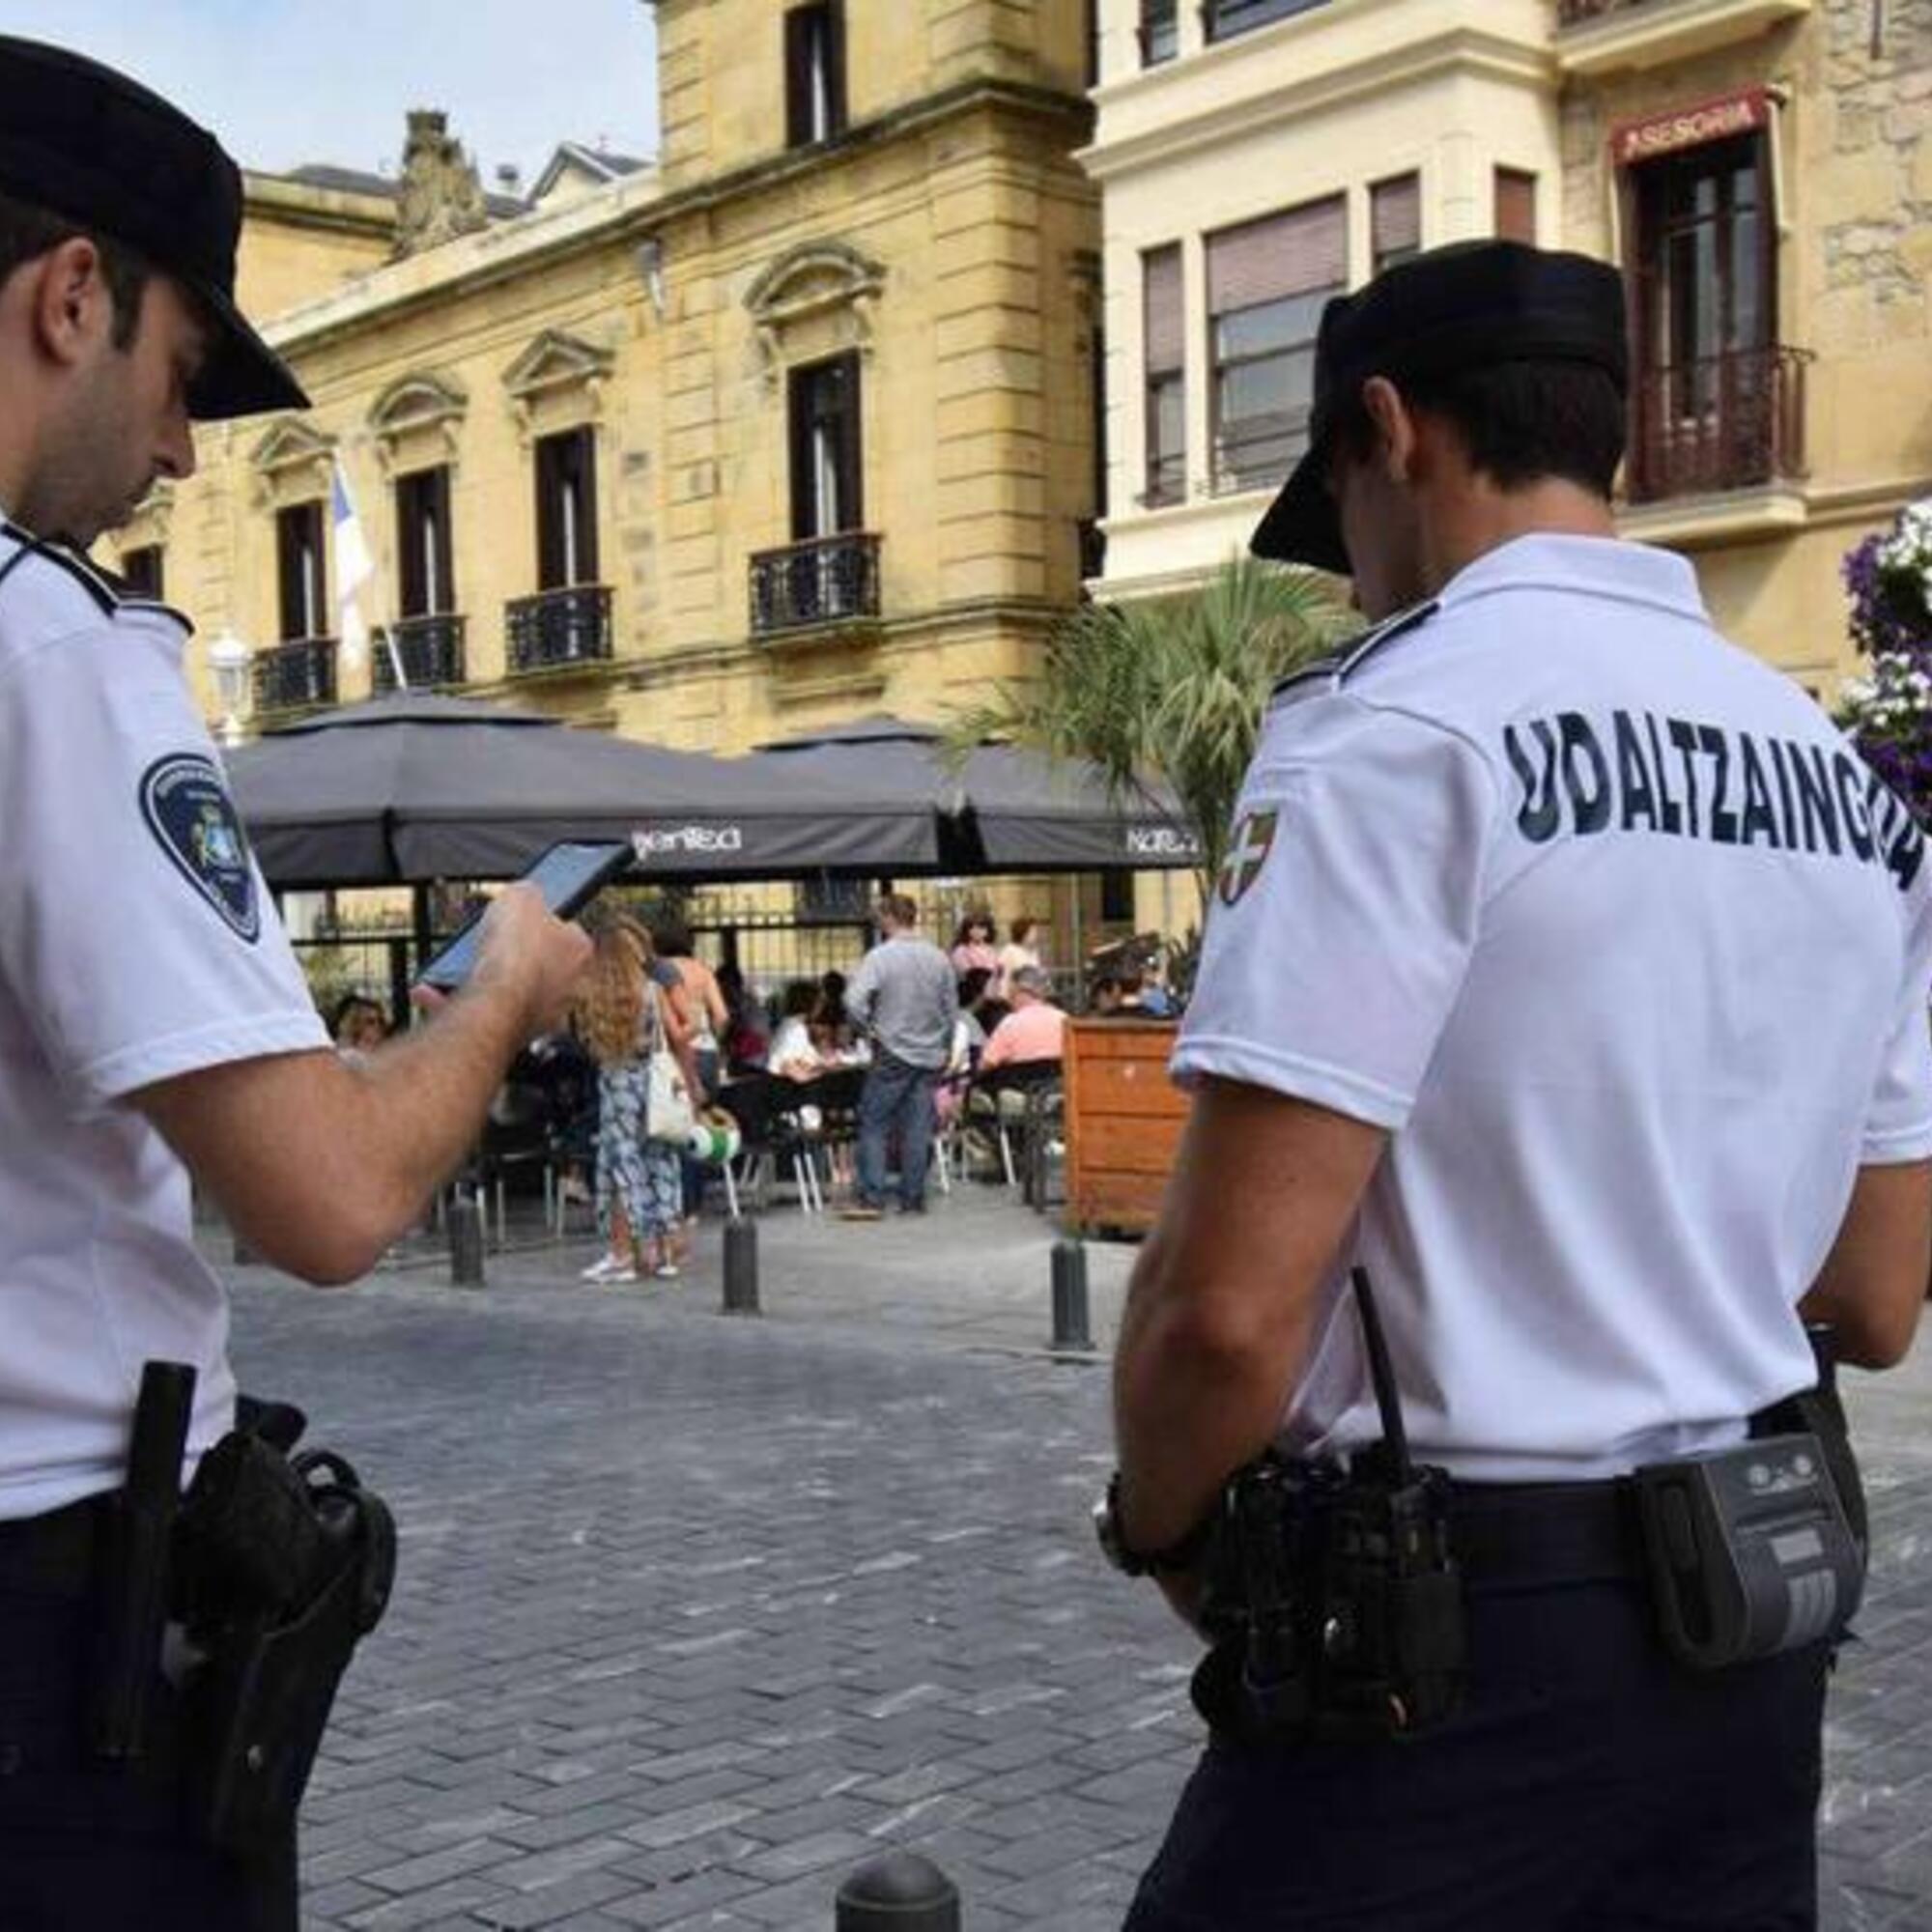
x: 186, y: 807
x: 1335, y: 666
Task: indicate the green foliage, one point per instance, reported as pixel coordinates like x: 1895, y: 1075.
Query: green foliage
x: 1171, y: 691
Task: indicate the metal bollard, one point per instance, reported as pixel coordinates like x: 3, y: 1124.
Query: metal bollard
x: 741, y: 1266
x: 1070, y: 1297
x: 466, y: 1242
x: 899, y: 1893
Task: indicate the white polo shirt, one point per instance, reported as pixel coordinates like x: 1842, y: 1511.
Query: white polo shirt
x: 136, y: 941
x: 1608, y: 925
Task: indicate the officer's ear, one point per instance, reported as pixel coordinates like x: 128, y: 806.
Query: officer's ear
x: 72, y: 304
x: 1394, y: 426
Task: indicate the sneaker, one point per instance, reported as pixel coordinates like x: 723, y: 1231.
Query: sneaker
x: 618, y: 1277
x: 861, y: 1211
x: 912, y: 1206
x: 664, y: 1272
x: 601, y: 1269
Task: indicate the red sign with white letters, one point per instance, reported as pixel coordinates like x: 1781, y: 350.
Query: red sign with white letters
x: 1656, y: 135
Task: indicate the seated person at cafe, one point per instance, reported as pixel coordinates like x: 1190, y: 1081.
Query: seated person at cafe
x: 1034, y: 1031
x: 794, y: 1054
x: 1111, y: 997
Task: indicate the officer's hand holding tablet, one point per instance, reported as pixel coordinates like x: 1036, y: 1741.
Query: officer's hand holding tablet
x: 562, y: 881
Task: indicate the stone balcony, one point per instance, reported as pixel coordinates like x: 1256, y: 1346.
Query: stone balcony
x: 1598, y: 37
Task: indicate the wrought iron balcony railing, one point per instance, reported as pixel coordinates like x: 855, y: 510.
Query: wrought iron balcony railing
x: 1223, y: 20
x: 1721, y: 422
x: 559, y: 628
x: 294, y: 676
x: 430, y: 648
x: 829, y: 580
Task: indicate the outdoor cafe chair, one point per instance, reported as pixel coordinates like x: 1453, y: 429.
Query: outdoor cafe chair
x: 1036, y: 1085
x: 766, y: 1107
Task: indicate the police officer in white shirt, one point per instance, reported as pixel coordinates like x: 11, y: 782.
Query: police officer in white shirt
x: 154, y: 1023
x: 1568, y: 977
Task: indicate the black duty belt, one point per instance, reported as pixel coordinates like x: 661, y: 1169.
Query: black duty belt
x: 53, y: 1554
x: 1531, y: 1534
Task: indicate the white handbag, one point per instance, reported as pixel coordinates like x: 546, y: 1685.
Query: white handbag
x: 669, y: 1117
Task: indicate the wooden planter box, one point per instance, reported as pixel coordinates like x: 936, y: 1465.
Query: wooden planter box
x: 1123, y: 1122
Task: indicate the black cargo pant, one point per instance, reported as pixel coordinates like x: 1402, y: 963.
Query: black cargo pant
x: 1591, y: 1785
x: 91, y: 1847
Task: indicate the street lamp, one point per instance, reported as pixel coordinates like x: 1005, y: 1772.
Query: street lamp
x: 229, y: 658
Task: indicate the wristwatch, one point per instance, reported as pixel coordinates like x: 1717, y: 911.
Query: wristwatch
x: 1132, y: 1562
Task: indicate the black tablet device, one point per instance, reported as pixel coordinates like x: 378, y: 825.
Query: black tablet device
x: 569, y: 876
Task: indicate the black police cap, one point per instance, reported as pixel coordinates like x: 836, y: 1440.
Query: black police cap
x: 1467, y: 306
x: 85, y: 143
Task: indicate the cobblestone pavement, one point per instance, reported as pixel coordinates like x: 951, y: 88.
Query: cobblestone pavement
x: 696, y: 1613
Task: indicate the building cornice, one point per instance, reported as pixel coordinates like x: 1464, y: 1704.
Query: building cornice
x: 1219, y: 120
x: 628, y: 210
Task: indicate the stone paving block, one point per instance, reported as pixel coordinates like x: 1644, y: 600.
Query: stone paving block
x: 555, y: 1904
x: 830, y: 1571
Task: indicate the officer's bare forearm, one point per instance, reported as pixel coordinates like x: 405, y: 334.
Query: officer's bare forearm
x: 1873, y: 1284
x: 1197, y: 1393
x: 1219, y: 1317
x: 320, y: 1164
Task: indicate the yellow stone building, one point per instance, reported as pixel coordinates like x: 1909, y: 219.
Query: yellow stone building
x: 796, y: 424
x: 1760, y: 169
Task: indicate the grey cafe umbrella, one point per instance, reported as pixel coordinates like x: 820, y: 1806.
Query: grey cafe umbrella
x: 412, y: 788
x: 1003, y: 809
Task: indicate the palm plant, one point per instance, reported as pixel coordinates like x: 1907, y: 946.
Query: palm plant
x: 1170, y: 692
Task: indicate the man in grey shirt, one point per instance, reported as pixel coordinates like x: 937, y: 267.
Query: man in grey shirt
x: 904, y: 995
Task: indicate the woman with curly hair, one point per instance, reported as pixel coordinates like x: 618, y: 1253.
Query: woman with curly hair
x: 622, y: 1021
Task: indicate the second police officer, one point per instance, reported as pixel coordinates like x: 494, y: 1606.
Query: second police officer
x: 1569, y: 976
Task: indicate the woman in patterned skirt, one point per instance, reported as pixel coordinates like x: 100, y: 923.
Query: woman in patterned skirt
x: 620, y: 1018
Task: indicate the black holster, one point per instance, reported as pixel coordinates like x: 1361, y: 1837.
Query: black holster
x: 282, y: 1565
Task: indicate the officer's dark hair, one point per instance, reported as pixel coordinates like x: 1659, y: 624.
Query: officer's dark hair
x: 1520, y: 422
x: 27, y: 233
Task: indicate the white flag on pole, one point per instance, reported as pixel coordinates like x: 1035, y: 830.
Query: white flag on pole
x: 355, y: 566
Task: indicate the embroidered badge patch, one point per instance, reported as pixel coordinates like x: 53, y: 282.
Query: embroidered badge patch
x: 1253, y: 841
x: 189, y: 810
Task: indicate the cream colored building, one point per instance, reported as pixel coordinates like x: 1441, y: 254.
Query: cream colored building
x: 1759, y: 168
x: 798, y: 423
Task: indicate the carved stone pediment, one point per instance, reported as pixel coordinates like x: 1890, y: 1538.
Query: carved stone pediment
x: 814, y: 279
x: 419, y: 404
x: 292, y: 460
x: 554, y: 364
x: 151, y: 522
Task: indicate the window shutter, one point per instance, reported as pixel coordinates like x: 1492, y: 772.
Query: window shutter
x: 411, y: 588
x: 1165, y: 299
x: 798, y: 76
x: 1395, y: 215
x: 585, y: 452
x: 851, y: 453
x: 1516, y: 206
x: 1284, y: 255
x: 445, y: 542
x: 804, y: 487
x: 550, y: 516
x: 834, y: 64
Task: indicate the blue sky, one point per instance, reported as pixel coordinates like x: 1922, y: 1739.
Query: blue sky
x: 288, y: 81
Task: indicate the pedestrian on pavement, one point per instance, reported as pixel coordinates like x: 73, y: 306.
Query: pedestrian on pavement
x: 623, y: 1016
x: 905, y: 997
x: 1568, y: 976
x: 127, y: 1070
x: 708, y: 1019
